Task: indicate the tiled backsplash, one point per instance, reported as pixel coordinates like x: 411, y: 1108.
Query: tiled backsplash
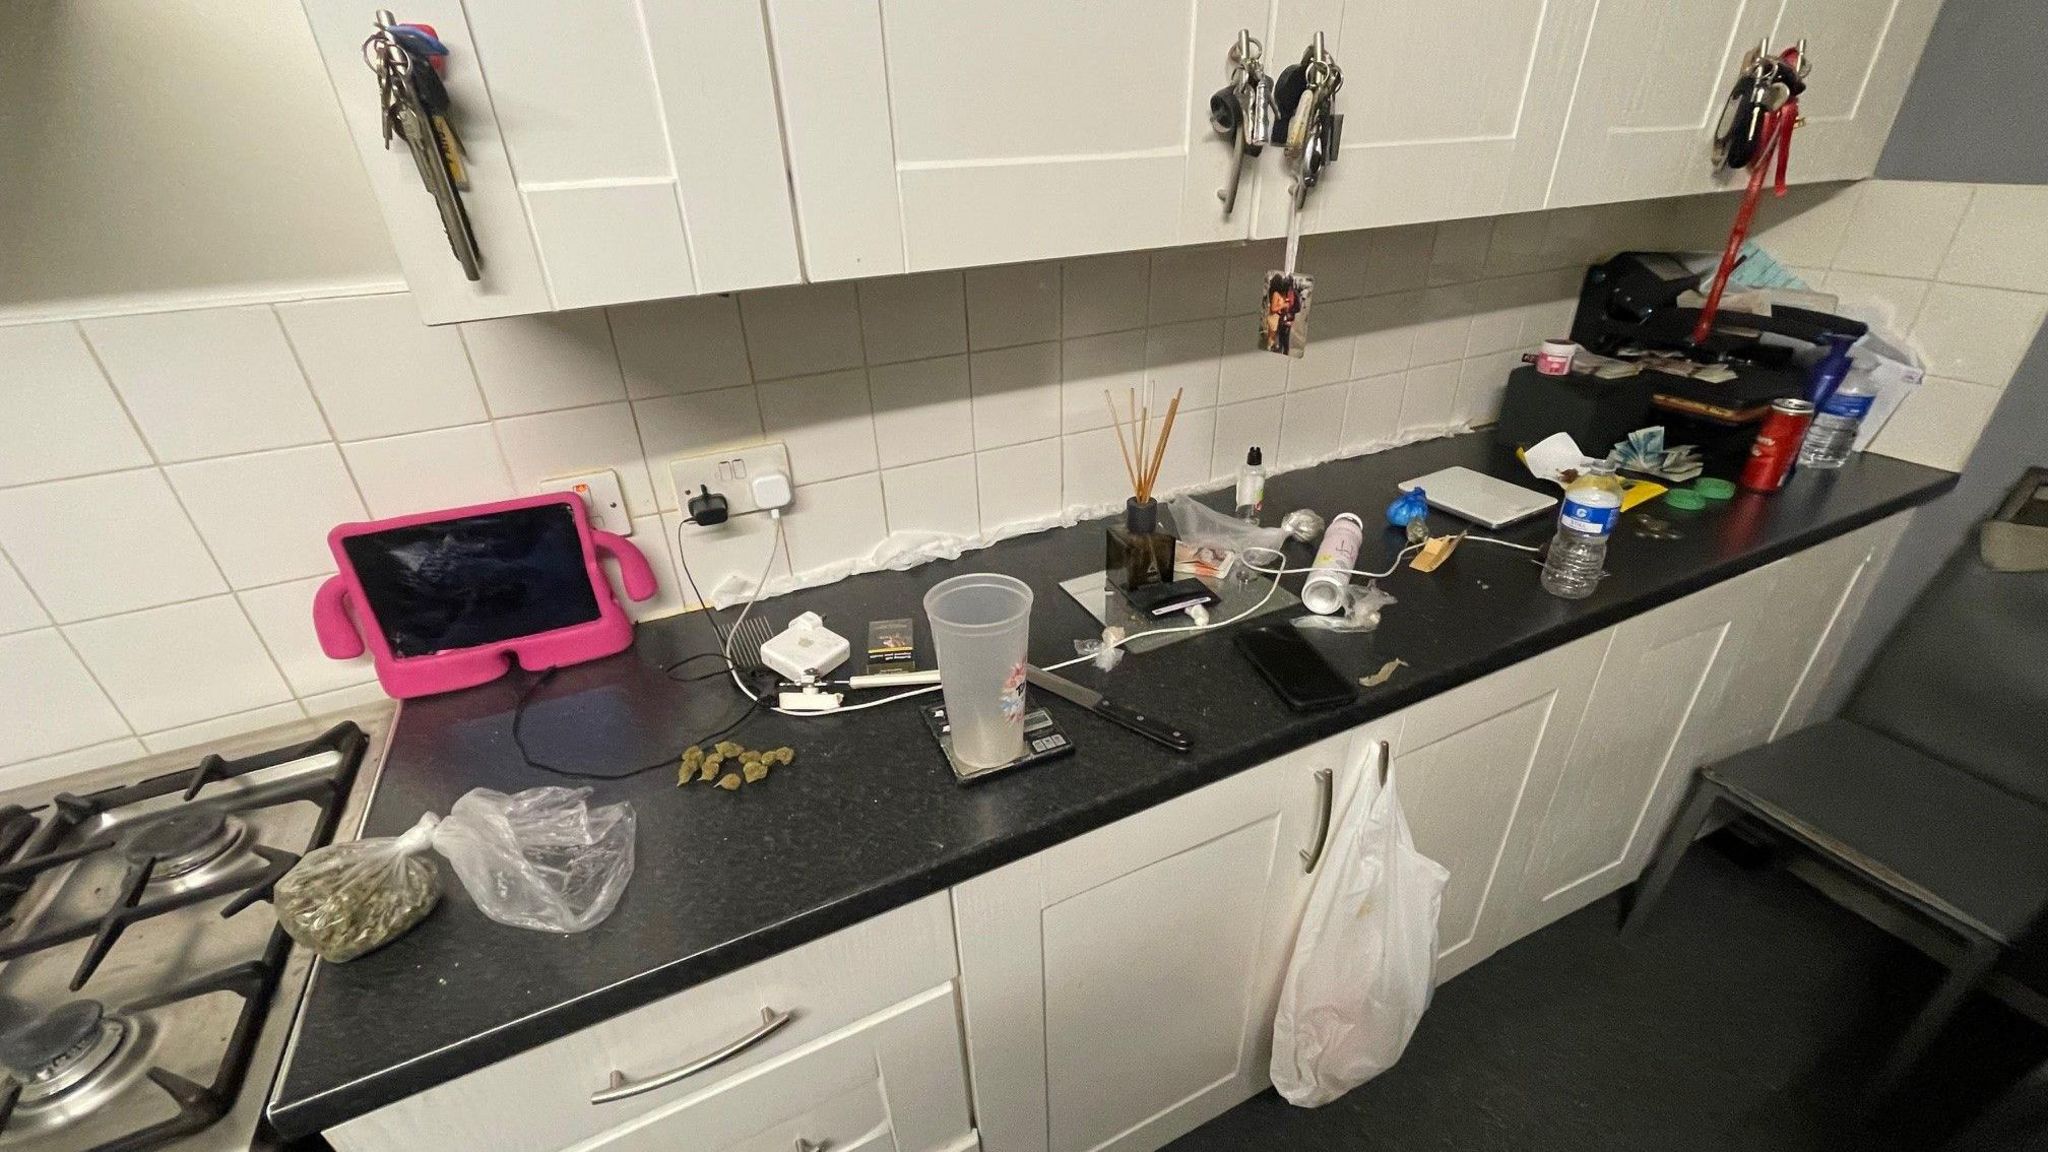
x: 167, y: 480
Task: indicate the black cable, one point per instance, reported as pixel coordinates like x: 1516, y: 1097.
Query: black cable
x: 668, y: 670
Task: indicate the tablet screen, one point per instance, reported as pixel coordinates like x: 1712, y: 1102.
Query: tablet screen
x: 476, y: 580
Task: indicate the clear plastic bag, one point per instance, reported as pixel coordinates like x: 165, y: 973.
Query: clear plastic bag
x: 1364, y: 962
x: 542, y: 858
x: 1361, y: 611
x: 344, y: 900
x: 1196, y: 523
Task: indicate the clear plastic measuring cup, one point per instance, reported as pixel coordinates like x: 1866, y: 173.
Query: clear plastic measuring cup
x: 981, y: 627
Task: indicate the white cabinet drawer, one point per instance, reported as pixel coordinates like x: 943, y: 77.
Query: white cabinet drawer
x: 540, y: 1100
x: 896, y: 1081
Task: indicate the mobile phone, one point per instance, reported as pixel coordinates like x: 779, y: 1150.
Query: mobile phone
x: 1304, y: 680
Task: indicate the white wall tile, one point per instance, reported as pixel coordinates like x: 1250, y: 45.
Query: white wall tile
x: 377, y: 370
x: 913, y: 317
x: 1185, y: 358
x: 1092, y: 469
x: 834, y: 522
x: 209, y: 732
x: 1938, y: 424
x: 1459, y: 253
x: 102, y: 544
x: 1241, y: 427
x: 1333, y: 331
x: 690, y: 345
x: 283, y: 616
x: 1520, y: 243
x: 733, y: 553
x: 51, y: 704
x: 266, y: 516
x: 922, y: 410
x: 692, y: 424
x: 1398, y: 258
x: 1188, y: 452
x: 826, y: 422
x: 1901, y: 227
x: 1248, y: 372
x: 345, y: 700
x: 18, y: 608
x: 1187, y: 284
x: 425, y: 471
x: 1013, y: 304
x: 2003, y: 239
x: 1372, y: 414
x: 71, y: 763
x: 167, y: 667
x: 1249, y: 266
x: 1443, y: 328
x: 1976, y: 334
x: 1430, y: 401
x: 1890, y: 303
x: 1312, y: 424
x: 1806, y: 227
x: 549, y: 444
x: 1482, y: 381
x: 1016, y: 394
x: 58, y: 416
x: 208, y: 382
x: 1386, y: 334
x: 1340, y: 263
x: 1104, y: 293
x: 935, y: 496
x: 801, y: 330
x: 1114, y: 363
x: 1018, y: 483
x: 541, y: 363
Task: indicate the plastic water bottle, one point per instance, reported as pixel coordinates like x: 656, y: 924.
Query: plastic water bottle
x: 1578, y: 556
x: 1833, y: 431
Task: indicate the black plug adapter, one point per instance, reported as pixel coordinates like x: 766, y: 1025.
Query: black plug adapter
x: 707, y: 507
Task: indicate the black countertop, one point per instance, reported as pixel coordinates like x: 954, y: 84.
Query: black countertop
x: 870, y: 818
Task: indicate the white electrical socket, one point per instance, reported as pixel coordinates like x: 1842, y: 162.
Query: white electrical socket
x: 602, y: 500
x: 728, y: 473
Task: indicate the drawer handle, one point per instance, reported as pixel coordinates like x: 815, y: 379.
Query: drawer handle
x: 1326, y: 783
x: 803, y: 1145
x: 621, y: 1088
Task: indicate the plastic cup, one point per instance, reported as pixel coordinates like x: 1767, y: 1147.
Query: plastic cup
x: 981, y: 627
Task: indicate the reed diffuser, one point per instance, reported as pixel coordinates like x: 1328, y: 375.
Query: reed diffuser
x: 1136, y: 552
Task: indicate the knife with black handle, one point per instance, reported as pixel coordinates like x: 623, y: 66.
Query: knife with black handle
x: 1121, y: 715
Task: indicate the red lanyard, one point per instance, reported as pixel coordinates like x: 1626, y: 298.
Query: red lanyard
x: 1774, y: 153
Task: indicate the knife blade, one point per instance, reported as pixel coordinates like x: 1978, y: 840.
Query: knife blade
x: 1121, y: 715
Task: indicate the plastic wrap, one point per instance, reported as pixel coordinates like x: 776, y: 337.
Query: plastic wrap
x: 542, y: 858
x: 1197, y: 523
x: 345, y: 900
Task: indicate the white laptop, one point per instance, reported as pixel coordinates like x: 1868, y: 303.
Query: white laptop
x: 1478, y: 497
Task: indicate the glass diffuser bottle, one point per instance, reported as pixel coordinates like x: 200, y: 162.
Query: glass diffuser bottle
x: 1136, y: 553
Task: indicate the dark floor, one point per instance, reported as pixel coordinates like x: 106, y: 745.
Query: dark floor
x: 1745, y: 1016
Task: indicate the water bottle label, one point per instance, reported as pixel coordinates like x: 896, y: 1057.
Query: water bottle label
x: 1847, y: 407
x: 1588, y: 520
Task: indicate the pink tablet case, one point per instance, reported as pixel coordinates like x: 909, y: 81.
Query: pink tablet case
x: 342, y: 618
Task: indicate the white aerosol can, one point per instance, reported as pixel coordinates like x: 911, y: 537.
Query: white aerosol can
x: 1336, y: 556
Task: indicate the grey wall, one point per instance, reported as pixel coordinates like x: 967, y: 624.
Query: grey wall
x: 1974, y: 112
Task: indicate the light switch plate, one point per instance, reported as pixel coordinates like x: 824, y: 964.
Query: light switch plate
x: 602, y: 499
x: 728, y: 472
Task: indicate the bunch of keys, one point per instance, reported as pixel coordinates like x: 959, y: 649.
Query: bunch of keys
x: 415, y: 105
x: 1244, y: 111
x: 1308, y: 91
x: 1314, y: 126
x: 1768, y: 82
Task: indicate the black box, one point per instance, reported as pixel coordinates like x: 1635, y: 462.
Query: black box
x: 1596, y: 412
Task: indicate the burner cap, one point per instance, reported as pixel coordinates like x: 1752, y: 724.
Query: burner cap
x: 181, y: 841
x: 30, y: 1047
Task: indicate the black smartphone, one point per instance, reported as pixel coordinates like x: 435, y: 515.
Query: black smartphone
x: 1294, y: 668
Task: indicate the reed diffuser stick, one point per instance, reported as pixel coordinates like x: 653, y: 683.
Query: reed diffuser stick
x: 1151, y: 477
x: 1116, y: 422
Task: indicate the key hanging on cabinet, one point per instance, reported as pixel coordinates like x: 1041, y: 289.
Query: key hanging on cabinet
x: 1311, y: 132
x: 1244, y: 111
x: 415, y: 107
x: 1755, y: 132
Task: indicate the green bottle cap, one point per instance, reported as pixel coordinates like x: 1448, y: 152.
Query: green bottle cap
x: 1714, y: 488
x: 1685, y: 498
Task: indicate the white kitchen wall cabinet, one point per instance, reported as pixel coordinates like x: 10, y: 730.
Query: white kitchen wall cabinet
x: 929, y: 134
x: 1119, y: 988
x: 1655, y: 75
x: 1477, y: 765
x: 618, y: 150
x: 1451, y: 107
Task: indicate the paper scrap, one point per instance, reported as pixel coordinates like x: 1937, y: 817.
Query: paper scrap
x: 1556, y: 458
x: 1380, y: 677
x: 1435, y: 552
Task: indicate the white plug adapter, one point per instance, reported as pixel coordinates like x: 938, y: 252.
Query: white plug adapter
x: 806, y: 650
x: 771, y: 490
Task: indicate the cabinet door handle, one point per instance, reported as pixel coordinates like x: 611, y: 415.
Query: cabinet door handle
x: 620, y: 1088
x: 803, y: 1145
x: 1326, y: 786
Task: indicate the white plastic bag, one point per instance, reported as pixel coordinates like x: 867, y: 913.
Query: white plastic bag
x: 542, y: 858
x: 1364, y: 962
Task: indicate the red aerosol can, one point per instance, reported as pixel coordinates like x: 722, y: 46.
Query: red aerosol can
x: 1777, y: 446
